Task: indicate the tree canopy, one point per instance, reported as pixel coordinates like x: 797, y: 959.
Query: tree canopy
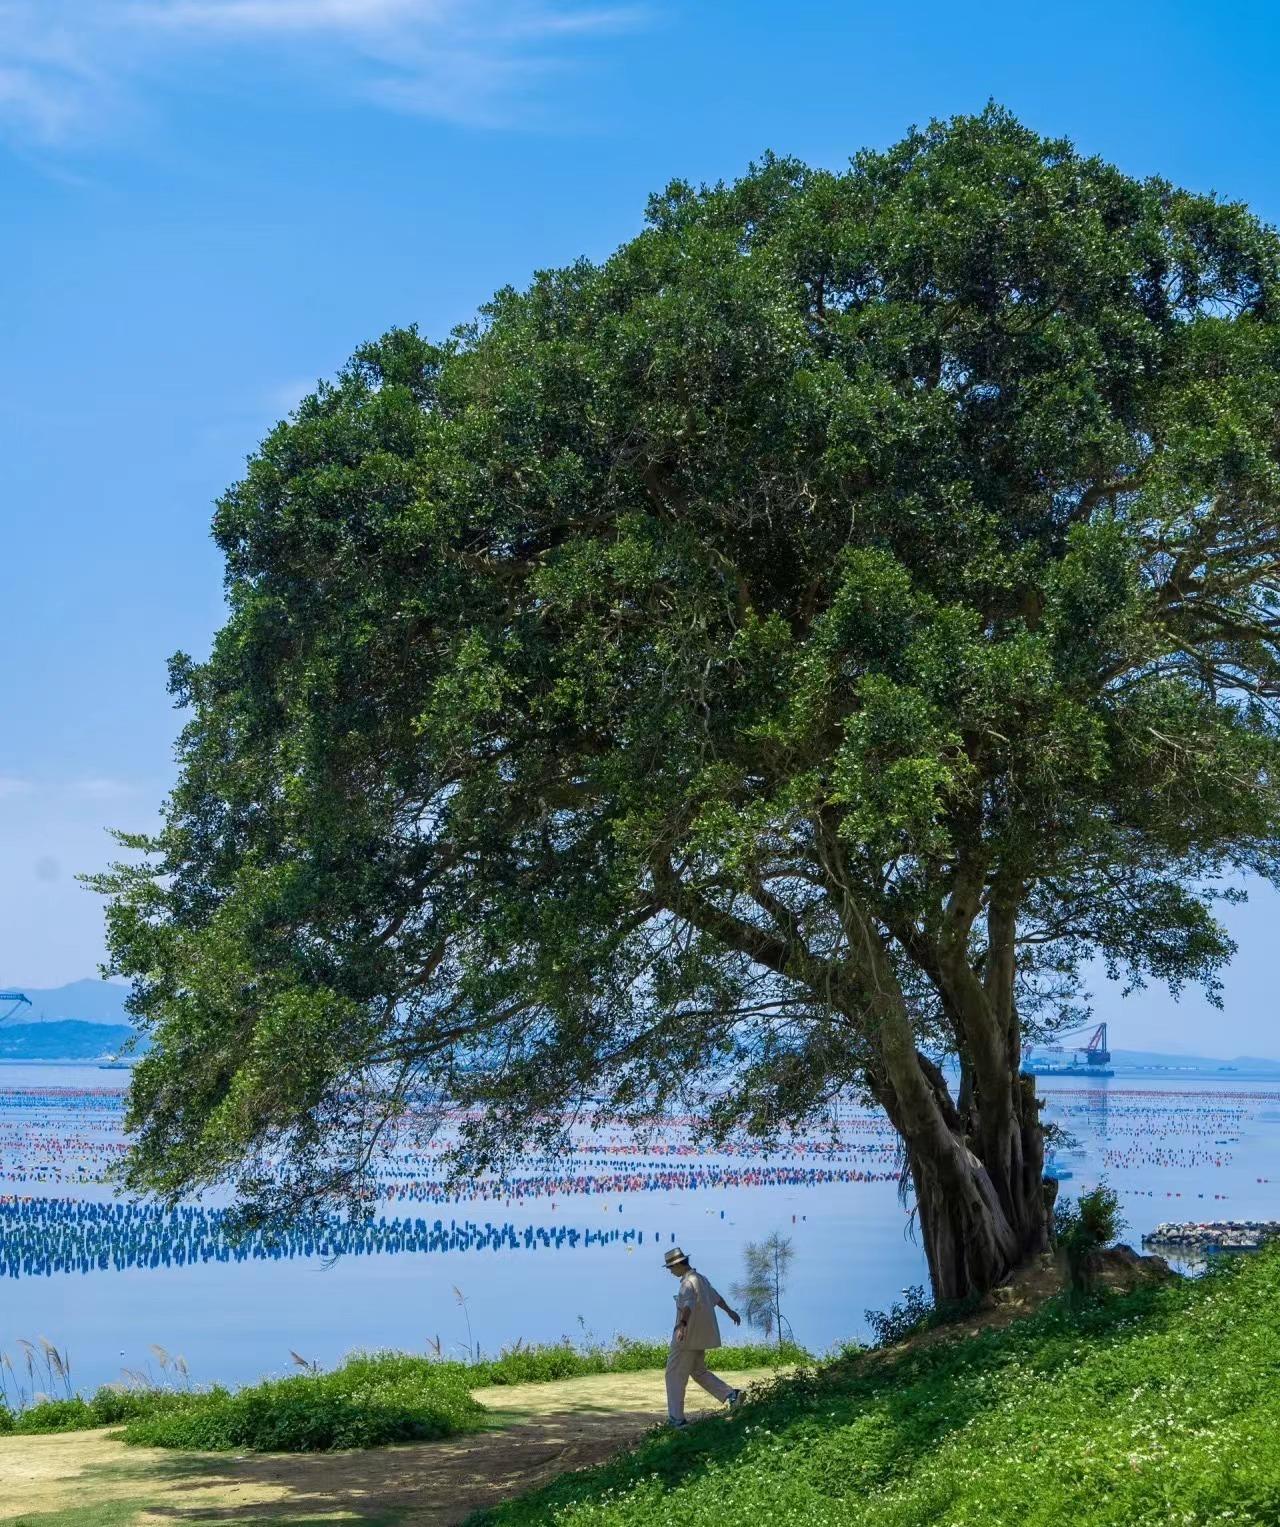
x: 756, y: 666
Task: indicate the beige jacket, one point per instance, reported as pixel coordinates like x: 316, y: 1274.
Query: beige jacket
x: 698, y: 1297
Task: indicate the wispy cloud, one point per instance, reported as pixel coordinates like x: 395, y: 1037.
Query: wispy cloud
x: 102, y: 788
x: 287, y: 15
x: 91, y: 787
x: 69, y: 68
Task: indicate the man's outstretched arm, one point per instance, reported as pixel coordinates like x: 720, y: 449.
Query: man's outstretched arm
x: 728, y: 1309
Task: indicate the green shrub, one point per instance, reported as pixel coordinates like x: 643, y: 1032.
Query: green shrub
x: 367, y: 1402
x: 55, y: 1416
x: 1084, y: 1227
x: 915, y: 1312
x: 108, y: 1407
x: 787, y: 1354
x: 533, y: 1365
x: 900, y: 1320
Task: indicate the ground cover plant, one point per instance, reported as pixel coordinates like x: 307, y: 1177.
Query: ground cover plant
x: 1155, y: 1409
x: 372, y: 1399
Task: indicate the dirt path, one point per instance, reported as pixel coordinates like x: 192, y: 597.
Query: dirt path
x: 539, y: 1430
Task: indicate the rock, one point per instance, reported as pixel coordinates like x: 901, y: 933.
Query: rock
x: 1217, y: 1235
x: 1121, y: 1267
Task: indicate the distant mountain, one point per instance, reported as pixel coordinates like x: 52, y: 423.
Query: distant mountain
x: 64, y: 1039
x: 85, y: 1001
x: 1128, y: 1060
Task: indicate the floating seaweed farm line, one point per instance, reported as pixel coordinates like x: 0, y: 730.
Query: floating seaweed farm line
x: 41, y: 1236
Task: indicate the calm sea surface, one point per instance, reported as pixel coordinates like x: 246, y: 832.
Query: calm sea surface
x: 556, y: 1248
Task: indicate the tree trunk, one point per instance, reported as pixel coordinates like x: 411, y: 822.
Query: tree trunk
x: 980, y: 1195
x: 979, y: 1184
x: 982, y: 1218
x: 977, y: 1168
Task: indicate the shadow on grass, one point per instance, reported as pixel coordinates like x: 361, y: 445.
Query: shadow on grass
x: 126, y: 1513
x: 439, y: 1483
x: 922, y: 1396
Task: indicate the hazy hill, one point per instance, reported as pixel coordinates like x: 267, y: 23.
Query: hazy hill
x: 1127, y: 1060
x: 86, y: 1001
x: 101, y: 1003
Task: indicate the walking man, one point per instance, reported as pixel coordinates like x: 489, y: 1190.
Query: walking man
x: 695, y: 1331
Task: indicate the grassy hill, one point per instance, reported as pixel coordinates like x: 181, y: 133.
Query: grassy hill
x: 1158, y: 1409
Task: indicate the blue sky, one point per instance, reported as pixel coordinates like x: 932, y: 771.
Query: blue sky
x: 207, y: 204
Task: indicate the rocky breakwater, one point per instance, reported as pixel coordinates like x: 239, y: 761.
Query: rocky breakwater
x: 1215, y: 1235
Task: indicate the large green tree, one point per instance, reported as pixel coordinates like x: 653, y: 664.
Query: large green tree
x: 758, y: 666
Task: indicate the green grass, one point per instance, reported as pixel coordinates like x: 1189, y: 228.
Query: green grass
x: 371, y: 1400
x: 109, y: 1514
x: 1158, y: 1409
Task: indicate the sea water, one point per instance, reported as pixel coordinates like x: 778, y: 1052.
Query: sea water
x: 566, y: 1248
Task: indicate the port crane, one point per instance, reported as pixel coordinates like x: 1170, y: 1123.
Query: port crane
x: 10, y: 1002
x: 1052, y: 1059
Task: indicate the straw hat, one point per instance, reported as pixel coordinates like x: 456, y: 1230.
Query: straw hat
x: 674, y: 1257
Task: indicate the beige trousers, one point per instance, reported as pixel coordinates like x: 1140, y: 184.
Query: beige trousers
x: 683, y: 1364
